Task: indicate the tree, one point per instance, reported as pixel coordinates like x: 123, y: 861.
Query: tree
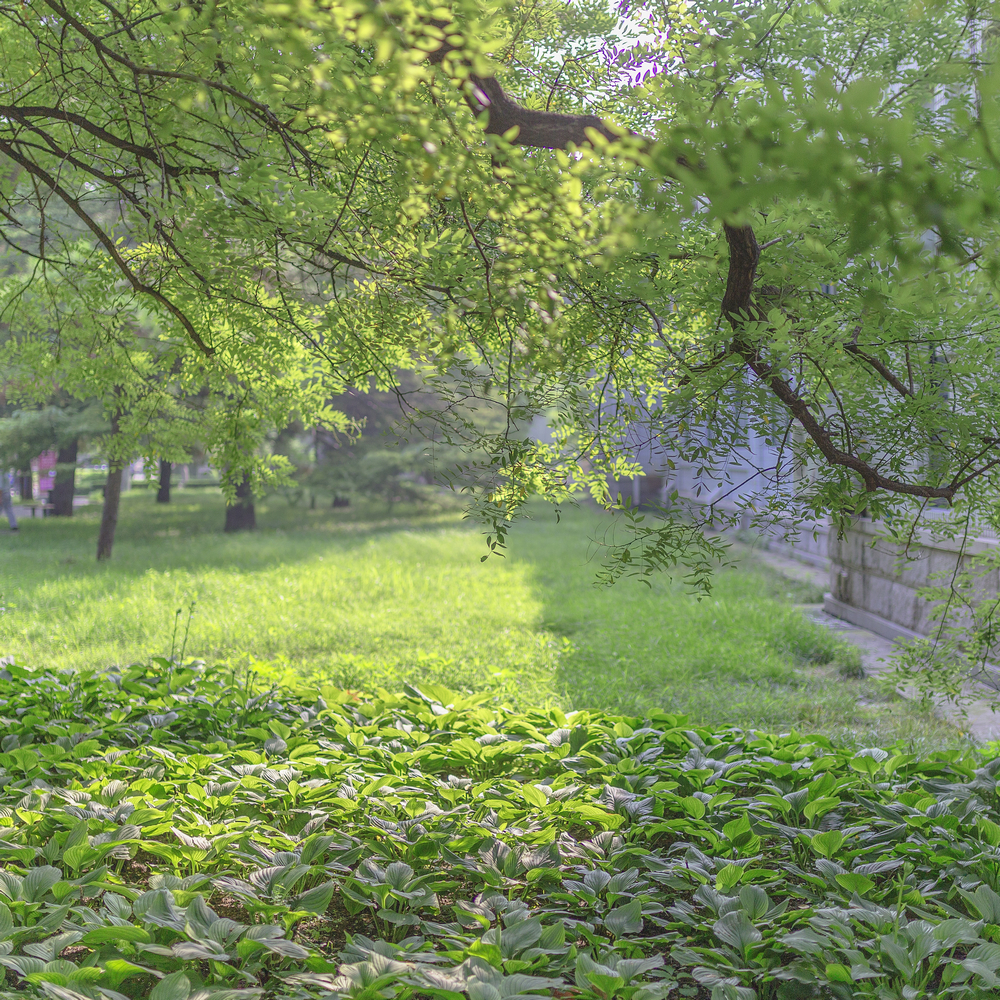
x: 112, y: 492
x: 59, y: 426
x: 639, y: 240
x: 163, y: 487
x: 159, y: 398
x: 240, y: 512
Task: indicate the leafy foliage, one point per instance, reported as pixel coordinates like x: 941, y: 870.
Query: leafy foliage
x: 254, y: 206
x: 182, y: 832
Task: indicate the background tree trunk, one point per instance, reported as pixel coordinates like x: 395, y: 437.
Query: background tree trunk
x: 240, y: 516
x: 24, y: 479
x: 163, y: 493
x: 109, y: 513
x: 65, y: 484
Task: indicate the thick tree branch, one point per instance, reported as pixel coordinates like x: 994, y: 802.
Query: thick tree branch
x: 738, y: 305
x: 548, y: 130
x: 799, y: 409
x: 539, y: 129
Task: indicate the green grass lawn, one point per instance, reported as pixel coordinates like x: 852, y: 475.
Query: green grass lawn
x: 364, y: 599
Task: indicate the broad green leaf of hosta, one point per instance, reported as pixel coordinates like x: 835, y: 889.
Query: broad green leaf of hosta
x: 175, y: 986
x: 853, y: 882
x: 737, y: 930
x: 623, y: 920
x: 827, y: 844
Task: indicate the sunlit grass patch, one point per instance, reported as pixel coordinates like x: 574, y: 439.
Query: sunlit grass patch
x: 363, y: 599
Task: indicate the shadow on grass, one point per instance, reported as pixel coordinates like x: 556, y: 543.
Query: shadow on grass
x: 161, y: 535
x: 744, y: 655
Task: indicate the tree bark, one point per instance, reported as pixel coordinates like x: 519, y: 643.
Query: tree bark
x: 24, y: 479
x: 109, y: 513
x: 65, y: 484
x: 163, y: 493
x: 240, y: 516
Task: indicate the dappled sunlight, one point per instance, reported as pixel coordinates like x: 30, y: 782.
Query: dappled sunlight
x: 362, y: 608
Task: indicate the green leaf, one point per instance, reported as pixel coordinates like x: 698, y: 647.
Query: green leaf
x: 114, y: 932
x: 735, y: 929
x: 534, y: 796
x: 838, y: 973
x: 827, y: 844
x: 820, y: 807
x: 315, y: 900
x: 853, y: 882
x: 81, y: 856
x: 399, y: 919
x: 176, y: 986
x: 604, y: 984
x: 39, y: 881
x: 625, y: 919
x: 987, y: 903
x: 694, y: 807
x: 988, y: 831
x: 737, y: 829
x: 866, y: 765
x: 488, y: 952
x: 520, y: 935
x: 754, y: 901
x: 117, y: 970
x: 728, y: 877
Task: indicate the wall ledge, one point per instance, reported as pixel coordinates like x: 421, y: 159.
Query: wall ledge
x: 867, y: 619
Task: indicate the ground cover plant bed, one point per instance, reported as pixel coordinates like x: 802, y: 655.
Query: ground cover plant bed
x: 187, y: 833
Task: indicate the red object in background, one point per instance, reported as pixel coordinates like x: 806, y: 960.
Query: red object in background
x: 45, y: 466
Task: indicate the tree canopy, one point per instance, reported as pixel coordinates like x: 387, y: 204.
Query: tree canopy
x: 684, y: 218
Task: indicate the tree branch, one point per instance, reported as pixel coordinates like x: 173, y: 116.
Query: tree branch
x: 108, y: 243
x: 548, y: 130
x: 539, y: 129
x: 877, y: 365
x: 22, y: 114
x: 799, y: 409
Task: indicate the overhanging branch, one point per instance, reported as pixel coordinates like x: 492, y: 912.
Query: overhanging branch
x: 548, y: 130
x: 108, y: 243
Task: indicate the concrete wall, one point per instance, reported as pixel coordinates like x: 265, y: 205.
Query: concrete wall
x: 881, y: 579
x: 808, y: 544
x: 873, y: 583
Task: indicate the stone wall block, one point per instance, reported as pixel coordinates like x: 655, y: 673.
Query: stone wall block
x: 942, y: 568
x: 912, y: 568
x: 926, y: 622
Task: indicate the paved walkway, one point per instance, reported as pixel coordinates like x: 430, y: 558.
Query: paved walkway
x: 981, y: 722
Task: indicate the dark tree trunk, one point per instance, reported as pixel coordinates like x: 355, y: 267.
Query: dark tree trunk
x: 109, y: 513
x: 24, y: 479
x: 163, y: 493
x: 240, y: 515
x: 61, y: 496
